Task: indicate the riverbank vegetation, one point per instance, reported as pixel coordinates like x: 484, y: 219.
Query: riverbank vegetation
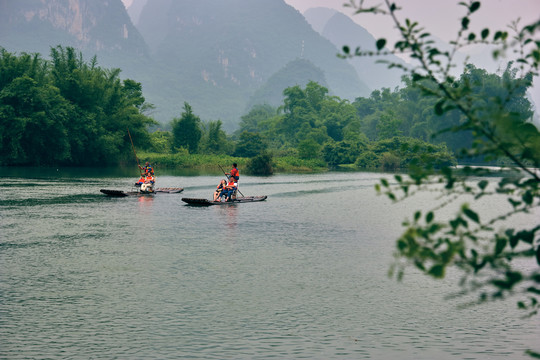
x: 66, y: 111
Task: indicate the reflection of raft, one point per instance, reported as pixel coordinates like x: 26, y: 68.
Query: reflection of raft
x: 206, y: 202
x: 120, y: 193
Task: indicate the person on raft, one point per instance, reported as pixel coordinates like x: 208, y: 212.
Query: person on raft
x: 148, y: 185
x: 230, y: 189
x: 141, y: 180
x: 220, y: 190
x: 147, y: 168
x: 149, y: 178
x: 234, y: 172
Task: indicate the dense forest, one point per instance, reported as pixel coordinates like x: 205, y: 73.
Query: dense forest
x: 71, y: 112
x: 66, y: 111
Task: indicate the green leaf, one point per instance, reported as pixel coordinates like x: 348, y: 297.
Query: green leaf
x: 500, y: 245
x: 429, y: 217
x: 420, y: 265
x: 437, y: 271
x: 439, y: 110
x: 471, y: 215
x: 346, y: 49
x: 417, y: 77
x: 465, y: 23
x: 485, y: 34
x: 417, y: 215
x: 380, y: 44
x: 536, y: 55
x: 527, y: 197
x: 514, y: 241
x: 483, y: 184
x: 474, y: 6
x: 471, y: 37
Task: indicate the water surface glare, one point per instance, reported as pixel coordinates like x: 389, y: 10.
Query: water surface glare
x: 301, y: 275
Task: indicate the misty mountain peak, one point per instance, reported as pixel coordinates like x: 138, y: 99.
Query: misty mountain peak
x: 93, y: 25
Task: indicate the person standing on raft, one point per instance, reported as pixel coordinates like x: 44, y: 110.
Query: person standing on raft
x: 234, y: 172
x: 147, y: 169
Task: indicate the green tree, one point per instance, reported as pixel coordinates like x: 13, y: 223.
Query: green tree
x: 67, y: 111
x: 104, y: 107
x: 499, y: 130
x: 187, y: 130
x: 407, y: 151
x: 407, y: 112
x: 309, y: 149
x: 250, y: 144
x: 260, y: 164
x: 256, y: 119
x: 342, y: 152
x: 215, y: 139
x: 33, y: 119
x: 388, y: 126
x: 161, y: 141
x: 302, y: 111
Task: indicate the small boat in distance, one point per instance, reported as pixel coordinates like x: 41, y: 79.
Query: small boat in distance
x: 239, y: 200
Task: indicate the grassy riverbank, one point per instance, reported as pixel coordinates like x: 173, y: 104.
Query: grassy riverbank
x: 209, y: 162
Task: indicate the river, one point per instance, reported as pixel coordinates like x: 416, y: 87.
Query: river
x: 300, y: 275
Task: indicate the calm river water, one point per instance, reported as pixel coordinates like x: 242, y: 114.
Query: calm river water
x: 301, y: 275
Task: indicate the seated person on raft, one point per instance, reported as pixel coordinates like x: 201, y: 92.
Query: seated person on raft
x: 230, y: 193
x: 148, y: 185
x: 141, y: 180
x: 220, y: 190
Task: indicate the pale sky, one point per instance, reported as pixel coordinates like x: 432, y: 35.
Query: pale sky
x: 440, y: 17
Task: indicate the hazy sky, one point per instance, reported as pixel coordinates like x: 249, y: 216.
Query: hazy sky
x: 439, y: 17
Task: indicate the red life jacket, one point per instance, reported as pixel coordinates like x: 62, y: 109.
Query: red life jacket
x: 235, y: 173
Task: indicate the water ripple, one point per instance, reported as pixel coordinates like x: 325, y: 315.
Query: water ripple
x: 301, y: 275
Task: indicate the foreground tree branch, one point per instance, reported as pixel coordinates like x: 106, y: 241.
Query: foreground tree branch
x: 470, y: 240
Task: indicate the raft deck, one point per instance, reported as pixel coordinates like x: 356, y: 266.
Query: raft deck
x: 206, y: 202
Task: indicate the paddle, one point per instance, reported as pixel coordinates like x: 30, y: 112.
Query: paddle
x: 228, y: 179
x: 133, y: 147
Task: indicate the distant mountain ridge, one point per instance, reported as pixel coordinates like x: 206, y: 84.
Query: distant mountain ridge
x: 297, y: 72
x: 342, y: 30
x: 221, y: 57
x: 231, y: 48
x: 92, y: 26
x: 135, y: 10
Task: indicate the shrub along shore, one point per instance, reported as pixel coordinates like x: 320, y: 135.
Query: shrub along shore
x: 285, y: 164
